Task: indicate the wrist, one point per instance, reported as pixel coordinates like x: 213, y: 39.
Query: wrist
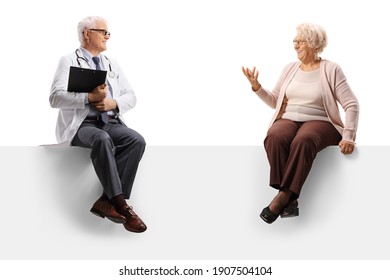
x: 256, y: 87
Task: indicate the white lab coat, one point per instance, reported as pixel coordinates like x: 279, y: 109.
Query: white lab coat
x: 73, y: 105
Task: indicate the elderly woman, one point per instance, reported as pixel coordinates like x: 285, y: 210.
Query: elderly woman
x: 306, y: 119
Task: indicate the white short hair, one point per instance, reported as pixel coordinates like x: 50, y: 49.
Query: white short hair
x: 314, y: 34
x: 87, y: 23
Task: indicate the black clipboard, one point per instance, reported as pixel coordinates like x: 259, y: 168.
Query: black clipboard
x: 84, y: 79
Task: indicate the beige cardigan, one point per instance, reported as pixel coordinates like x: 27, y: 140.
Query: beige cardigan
x: 335, y: 89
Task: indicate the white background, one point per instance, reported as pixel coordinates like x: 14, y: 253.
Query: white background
x: 184, y: 58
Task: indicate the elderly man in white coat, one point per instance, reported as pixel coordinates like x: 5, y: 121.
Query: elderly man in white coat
x: 94, y: 120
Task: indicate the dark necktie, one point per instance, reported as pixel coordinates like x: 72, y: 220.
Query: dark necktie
x: 103, y: 115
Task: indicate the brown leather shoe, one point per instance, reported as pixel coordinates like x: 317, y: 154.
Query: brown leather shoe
x: 134, y: 223
x: 104, y: 208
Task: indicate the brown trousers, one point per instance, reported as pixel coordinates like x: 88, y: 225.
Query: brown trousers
x: 291, y: 148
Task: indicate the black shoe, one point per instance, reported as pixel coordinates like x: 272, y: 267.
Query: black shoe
x: 291, y: 210
x: 268, y: 216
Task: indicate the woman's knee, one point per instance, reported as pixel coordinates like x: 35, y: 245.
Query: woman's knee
x: 281, y: 132
x: 274, y: 138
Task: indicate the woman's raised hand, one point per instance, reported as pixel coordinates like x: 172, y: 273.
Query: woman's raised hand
x: 252, y: 76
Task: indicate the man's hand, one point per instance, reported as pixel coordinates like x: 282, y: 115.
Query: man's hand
x: 105, y: 105
x: 98, y: 94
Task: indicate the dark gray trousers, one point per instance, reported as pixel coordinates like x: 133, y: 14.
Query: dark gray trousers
x: 116, y: 151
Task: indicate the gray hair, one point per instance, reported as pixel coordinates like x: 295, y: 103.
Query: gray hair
x: 87, y: 23
x: 314, y: 34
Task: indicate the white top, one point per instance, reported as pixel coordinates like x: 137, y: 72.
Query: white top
x: 305, y: 98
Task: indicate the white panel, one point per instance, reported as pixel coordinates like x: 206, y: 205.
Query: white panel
x: 199, y: 202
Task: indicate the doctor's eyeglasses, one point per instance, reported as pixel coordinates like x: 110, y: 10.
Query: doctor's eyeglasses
x: 102, y: 31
